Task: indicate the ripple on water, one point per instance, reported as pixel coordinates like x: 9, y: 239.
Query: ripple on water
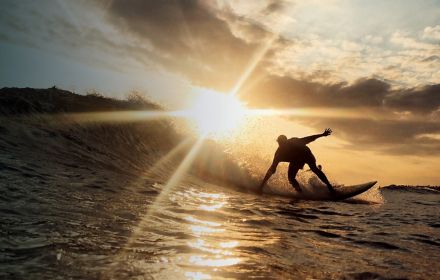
x: 368, y: 276
x: 377, y: 244
x: 427, y: 241
x: 326, y: 234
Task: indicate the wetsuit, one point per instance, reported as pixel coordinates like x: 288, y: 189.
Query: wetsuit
x: 297, y: 154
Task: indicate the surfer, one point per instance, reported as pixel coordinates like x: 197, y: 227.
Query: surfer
x: 296, y: 153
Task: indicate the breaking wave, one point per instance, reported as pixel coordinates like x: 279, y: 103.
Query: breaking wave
x: 52, y: 125
x: 78, y: 132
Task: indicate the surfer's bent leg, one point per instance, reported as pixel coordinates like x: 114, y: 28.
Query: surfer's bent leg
x: 291, y: 174
x: 320, y: 175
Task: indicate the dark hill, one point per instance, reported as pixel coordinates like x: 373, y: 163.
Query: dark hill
x: 18, y: 101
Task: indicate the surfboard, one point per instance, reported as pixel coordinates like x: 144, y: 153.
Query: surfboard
x: 342, y: 192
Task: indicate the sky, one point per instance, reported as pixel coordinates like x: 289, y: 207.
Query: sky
x: 367, y: 69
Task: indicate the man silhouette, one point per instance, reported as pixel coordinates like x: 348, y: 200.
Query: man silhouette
x: 296, y: 153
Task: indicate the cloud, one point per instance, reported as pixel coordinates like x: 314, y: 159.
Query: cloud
x: 386, y: 137
x: 371, y: 39
x: 402, y: 60
x: 432, y: 32
x: 70, y: 30
x: 212, y: 42
x: 190, y: 37
x: 284, y: 91
x: 411, y: 43
x: 424, y: 100
x: 288, y: 92
x: 380, y: 117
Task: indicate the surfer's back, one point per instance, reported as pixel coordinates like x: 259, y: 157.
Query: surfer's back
x: 294, y: 148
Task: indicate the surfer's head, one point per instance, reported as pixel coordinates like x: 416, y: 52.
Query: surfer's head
x: 282, y: 139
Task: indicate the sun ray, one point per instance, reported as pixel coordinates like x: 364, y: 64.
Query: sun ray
x: 261, y: 52
x: 121, y: 116
x: 153, y: 171
x: 73, y: 20
x: 305, y: 112
x: 359, y: 113
x: 258, y: 56
x: 169, y: 186
x: 178, y: 175
x: 66, y: 8
x: 166, y: 158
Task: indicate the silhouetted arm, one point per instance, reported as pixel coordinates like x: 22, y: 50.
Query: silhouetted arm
x: 272, y: 169
x: 308, y: 139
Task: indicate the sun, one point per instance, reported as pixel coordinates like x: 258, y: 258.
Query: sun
x: 216, y: 115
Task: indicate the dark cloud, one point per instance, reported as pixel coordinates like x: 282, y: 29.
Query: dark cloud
x: 420, y: 100
x: 383, y: 136
x: 432, y: 58
x: 274, y: 6
x: 188, y: 37
x: 372, y: 93
x: 393, y: 121
x: 288, y: 92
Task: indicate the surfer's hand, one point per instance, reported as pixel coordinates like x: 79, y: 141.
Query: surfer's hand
x: 327, y: 132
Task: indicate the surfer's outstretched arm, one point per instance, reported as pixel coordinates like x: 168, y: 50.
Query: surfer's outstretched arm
x: 312, y: 138
x: 272, y: 169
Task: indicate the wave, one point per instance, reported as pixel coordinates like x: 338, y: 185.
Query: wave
x: 84, y: 135
x: 92, y: 132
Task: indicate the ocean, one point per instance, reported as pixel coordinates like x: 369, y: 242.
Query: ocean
x: 81, y: 199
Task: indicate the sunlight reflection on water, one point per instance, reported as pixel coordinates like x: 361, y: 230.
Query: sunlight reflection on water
x: 212, y: 207
x: 201, y: 230
x: 217, y: 262
x: 197, y: 275
x: 195, y: 220
x: 213, y: 248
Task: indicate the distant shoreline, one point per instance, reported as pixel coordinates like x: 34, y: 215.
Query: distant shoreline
x: 411, y: 188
